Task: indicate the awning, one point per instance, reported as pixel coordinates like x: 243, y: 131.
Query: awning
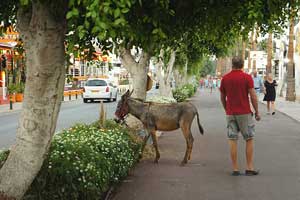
x: 7, y: 44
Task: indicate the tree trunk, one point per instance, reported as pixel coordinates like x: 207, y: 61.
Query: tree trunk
x: 138, y: 71
x: 250, y: 49
x: 290, y: 89
x: 178, y: 78
x: 269, y: 51
x: 254, y: 48
x: 164, y: 80
x: 44, y: 45
x: 282, y: 85
x: 243, y: 50
x: 185, y: 76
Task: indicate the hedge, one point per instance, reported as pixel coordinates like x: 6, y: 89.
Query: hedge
x: 84, y: 162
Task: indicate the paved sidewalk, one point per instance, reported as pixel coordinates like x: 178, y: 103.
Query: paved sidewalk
x: 207, y: 175
x: 291, y: 109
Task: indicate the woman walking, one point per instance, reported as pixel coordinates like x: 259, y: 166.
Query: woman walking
x: 270, y: 93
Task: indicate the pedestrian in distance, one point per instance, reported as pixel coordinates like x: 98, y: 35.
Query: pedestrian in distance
x: 258, y: 83
x: 214, y: 82
x: 236, y: 86
x: 270, y: 93
x: 201, y: 82
x: 210, y: 84
x: 206, y: 83
x: 218, y: 82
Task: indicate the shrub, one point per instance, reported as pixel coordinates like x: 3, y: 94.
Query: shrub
x: 84, y: 161
x: 12, y: 88
x: 20, y: 87
x: 184, y: 92
x: 179, y: 95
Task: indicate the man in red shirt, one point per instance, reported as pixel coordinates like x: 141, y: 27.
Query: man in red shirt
x: 236, y: 86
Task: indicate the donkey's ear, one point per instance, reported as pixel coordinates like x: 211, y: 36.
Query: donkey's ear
x: 131, y: 92
x: 127, y: 93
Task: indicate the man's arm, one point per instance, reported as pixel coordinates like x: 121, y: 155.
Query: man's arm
x: 223, y: 100
x: 254, y: 102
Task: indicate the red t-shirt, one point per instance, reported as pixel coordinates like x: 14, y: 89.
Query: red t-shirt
x: 235, y: 86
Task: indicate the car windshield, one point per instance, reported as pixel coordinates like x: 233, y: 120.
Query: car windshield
x: 96, y: 83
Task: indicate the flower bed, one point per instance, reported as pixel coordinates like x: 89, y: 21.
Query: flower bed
x: 84, y: 161
x: 161, y: 99
x: 184, y: 92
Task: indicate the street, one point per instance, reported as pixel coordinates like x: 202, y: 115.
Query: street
x: 71, y: 112
x: 207, y: 175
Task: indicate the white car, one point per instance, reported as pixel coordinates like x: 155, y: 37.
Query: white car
x: 98, y: 88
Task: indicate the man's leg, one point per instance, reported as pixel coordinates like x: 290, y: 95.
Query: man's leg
x: 249, y: 154
x: 233, y: 154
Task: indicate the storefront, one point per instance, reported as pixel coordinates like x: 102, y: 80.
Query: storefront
x: 9, y: 56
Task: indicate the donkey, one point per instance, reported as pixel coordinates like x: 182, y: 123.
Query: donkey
x: 163, y: 117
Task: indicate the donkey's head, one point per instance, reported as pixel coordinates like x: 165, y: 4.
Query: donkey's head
x: 123, y: 107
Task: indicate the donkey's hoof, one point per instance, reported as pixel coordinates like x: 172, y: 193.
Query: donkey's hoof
x: 156, y: 161
x: 183, y: 163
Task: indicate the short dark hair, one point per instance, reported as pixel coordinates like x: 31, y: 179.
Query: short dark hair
x: 237, y: 62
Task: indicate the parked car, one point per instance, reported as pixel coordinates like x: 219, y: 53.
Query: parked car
x: 99, y: 88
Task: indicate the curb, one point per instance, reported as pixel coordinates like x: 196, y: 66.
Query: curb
x: 8, y: 111
x: 282, y: 112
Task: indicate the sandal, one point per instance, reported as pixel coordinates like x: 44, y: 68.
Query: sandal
x: 273, y: 113
x: 251, y: 172
x: 235, y: 173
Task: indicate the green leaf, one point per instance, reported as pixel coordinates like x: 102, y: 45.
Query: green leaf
x: 155, y: 31
x: 69, y: 15
x: 71, y: 3
x: 125, y: 10
x: 113, y: 33
x: 75, y: 11
x: 95, y: 29
x: 94, y: 14
x: 103, y: 25
x: 118, y: 21
x: 102, y: 35
x: 81, y: 34
x: 106, y: 9
x: 24, y: 2
x: 86, y: 24
x: 88, y: 14
x: 117, y: 13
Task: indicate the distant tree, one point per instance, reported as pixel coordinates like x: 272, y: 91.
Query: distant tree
x: 208, y: 67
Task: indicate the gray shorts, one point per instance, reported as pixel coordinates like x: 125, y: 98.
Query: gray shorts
x: 240, y: 123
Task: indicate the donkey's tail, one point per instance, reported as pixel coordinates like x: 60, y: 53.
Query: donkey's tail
x: 199, y: 125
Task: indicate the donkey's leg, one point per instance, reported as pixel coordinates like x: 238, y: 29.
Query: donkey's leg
x: 154, y: 139
x: 144, y: 143
x: 191, y: 138
x: 185, y: 127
